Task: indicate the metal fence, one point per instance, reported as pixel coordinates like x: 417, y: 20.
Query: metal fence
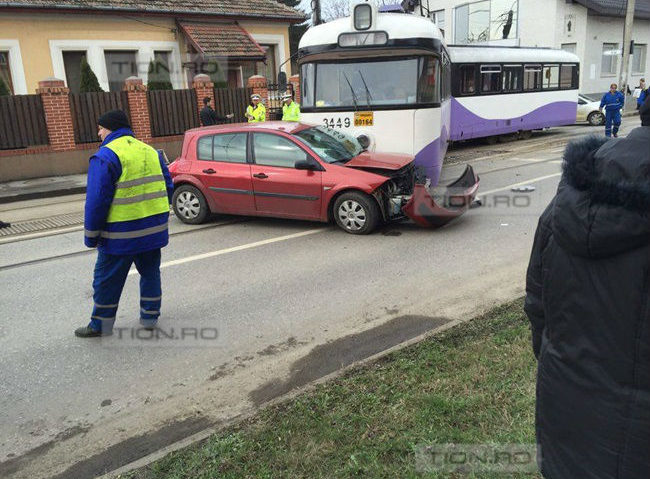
x: 232, y: 100
x: 22, y: 122
x: 274, y: 101
x: 172, y: 112
x: 86, y: 108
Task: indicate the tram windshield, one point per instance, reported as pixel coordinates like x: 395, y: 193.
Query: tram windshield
x: 408, y: 81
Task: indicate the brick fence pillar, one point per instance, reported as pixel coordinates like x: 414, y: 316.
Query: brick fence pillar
x: 258, y: 84
x: 58, y: 118
x: 295, y: 81
x: 138, y: 108
x: 204, y: 88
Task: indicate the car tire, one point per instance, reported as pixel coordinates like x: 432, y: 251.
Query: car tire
x: 596, y: 118
x: 190, y: 205
x: 356, y: 213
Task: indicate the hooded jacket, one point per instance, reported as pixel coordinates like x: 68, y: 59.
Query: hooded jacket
x: 588, y: 301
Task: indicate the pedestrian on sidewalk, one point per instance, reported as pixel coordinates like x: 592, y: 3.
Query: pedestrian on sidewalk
x: 126, y: 214
x: 613, y: 101
x: 641, y: 93
x: 256, y: 111
x: 588, y: 301
x: 290, y: 109
x: 209, y: 117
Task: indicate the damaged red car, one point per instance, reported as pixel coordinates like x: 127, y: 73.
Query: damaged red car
x: 300, y: 171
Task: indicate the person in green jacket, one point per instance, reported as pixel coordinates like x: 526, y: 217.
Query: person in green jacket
x: 256, y: 112
x: 290, y: 109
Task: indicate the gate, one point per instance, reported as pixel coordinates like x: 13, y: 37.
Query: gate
x: 22, y: 122
x: 86, y: 108
x: 232, y: 100
x: 274, y: 102
x: 172, y: 112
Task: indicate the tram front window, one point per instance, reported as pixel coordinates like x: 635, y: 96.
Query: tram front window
x: 399, y: 82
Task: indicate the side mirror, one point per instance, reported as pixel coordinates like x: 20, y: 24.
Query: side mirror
x: 282, y: 81
x: 306, y: 165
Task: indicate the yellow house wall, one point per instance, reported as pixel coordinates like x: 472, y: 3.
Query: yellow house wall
x: 34, y: 31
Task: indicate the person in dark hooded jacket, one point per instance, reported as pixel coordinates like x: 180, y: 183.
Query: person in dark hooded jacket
x: 588, y: 301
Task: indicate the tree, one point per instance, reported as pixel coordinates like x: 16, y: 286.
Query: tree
x: 159, y: 78
x: 333, y: 9
x: 4, y: 89
x: 88, y: 81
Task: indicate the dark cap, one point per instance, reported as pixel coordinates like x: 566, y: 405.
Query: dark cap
x: 114, y: 120
x: 644, y: 111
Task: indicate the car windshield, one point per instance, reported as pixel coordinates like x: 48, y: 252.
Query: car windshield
x: 329, y: 144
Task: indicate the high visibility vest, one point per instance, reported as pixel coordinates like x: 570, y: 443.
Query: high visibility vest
x: 258, y: 113
x: 291, y: 112
x: 140, y: 191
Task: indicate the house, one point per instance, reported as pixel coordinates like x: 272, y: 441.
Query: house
x: 592, y: 29
x: 228, y: 40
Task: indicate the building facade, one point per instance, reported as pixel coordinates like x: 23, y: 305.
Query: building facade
x: 230, y: 41
x: 592, y: 29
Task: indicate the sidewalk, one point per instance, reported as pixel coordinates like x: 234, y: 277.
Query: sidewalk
x: 42, y: 188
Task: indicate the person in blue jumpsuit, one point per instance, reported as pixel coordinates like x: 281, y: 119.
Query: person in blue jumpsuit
x: 613, y: 101
x: 126, y: 214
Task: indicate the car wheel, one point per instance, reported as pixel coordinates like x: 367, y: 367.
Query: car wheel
x: 596, y: 118
x: 189, y: 205
x: 356, y: 213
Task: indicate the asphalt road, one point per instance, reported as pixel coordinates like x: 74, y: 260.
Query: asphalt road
x: 257, y: 307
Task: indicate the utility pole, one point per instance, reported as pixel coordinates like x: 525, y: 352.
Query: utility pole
x: 627, y: 43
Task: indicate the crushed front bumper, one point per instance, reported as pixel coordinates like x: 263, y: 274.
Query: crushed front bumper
x: 433, y: 208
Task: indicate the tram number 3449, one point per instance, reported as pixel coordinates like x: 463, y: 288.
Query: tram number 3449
x: 337, y: 123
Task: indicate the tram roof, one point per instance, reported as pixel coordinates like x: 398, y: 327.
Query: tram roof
x: 497, y: 54
x: 397, y: 25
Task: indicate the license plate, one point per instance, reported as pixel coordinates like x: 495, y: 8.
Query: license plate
x: 363, y: 118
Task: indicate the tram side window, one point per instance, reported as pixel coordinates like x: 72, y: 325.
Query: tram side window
x: 532, y: 77
x: 512, y: 78
x: 490, y: 78
x: 429, y: 80
x: 551, y: 76
x: 568, y: 74
x: 468, y: 79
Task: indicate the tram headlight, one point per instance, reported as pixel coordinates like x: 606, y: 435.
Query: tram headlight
x: 362, y: 16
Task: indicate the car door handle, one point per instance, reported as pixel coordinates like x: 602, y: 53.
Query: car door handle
x: 209, y: 171
x: 261, y: 176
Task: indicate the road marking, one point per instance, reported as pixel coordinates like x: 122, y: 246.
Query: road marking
x: 521, y: 183
x: 235, y: 249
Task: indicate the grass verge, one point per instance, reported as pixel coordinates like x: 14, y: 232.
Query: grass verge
x: 472, y: 384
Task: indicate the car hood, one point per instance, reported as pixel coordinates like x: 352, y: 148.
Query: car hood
x: 383, y: 161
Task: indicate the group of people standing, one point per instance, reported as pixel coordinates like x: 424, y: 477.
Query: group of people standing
x: 255, y: 112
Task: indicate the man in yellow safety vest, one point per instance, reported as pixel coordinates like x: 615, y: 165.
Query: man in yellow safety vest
x: 127, y: 208
x: 290, y: 109
x: 256, y: 112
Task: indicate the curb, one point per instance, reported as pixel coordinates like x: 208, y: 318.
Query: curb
x: 41, y: 194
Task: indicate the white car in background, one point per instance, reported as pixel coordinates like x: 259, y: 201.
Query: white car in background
x: 588, y: 110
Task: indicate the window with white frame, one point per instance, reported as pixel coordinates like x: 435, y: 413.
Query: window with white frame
x: 5, y: 70
x: 486, y: 20
x: 609, y: 62
x: 639, y: 58
x: 438, y: 18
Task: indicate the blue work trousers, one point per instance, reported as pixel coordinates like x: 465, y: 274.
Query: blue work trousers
x: 612, y: 116
x: 110, y: 275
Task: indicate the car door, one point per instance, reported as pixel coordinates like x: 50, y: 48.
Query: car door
x: 279, y: 188
x: 223, y: 168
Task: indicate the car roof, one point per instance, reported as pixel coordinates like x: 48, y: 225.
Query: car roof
x: 290, y: 127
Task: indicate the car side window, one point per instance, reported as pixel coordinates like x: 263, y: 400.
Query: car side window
x: 230, y: 148
x: 275, y: 150
x: 227, y: 147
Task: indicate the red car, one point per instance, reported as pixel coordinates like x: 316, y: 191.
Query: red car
x: 295, y: 170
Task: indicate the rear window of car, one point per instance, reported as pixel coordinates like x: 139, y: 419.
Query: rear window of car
x: 226, y: 147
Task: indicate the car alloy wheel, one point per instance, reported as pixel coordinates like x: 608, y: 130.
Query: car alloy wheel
x: 596, y: 118
x: 352, y: 215
x: 188, y: 205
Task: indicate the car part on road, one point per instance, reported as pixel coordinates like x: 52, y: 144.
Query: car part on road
x: 189, y: 205
x: 596, y: 118
x: 356, y: 213
x: 456, y: 198
x: 523, y: 189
